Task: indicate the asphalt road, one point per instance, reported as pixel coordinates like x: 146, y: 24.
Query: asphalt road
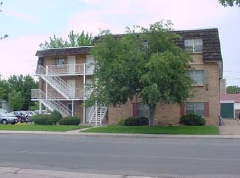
x: 119, y: 155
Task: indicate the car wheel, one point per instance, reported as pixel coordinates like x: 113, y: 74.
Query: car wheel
x: 4, y: 122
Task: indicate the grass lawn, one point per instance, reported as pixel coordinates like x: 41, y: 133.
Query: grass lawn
x: 184, y: 130
x: 32, y: 127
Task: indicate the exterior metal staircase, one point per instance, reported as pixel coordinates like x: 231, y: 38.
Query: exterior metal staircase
x: 52, y: 104
x: 97, y: 114
x: 55, y: 81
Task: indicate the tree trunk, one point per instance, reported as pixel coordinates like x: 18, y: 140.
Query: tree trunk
x: 152, y: 109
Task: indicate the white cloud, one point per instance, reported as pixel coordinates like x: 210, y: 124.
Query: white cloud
x: 112, y: 15
x: 18, y: 56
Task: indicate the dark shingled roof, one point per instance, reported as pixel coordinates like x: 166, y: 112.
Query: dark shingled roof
x: 210, y: 37
x: 63, y: 51
x: 211, y: 42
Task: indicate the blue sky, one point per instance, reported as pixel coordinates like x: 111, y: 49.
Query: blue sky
x: 30, y: 22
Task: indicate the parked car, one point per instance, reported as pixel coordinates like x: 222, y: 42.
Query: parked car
x: 23, y: 116
x: 8, y: 118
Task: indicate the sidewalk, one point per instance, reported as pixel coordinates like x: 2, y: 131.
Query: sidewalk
x: 11, y: 172
x: 78, y: 133
x: 231, y: 129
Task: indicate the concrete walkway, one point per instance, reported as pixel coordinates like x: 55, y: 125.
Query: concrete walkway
x: 231, y: 127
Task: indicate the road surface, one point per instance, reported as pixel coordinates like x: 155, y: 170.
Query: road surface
x: 122, y: 156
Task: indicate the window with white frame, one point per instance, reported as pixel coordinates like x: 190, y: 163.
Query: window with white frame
x: 143, y: 110
x: 59, y: 61
x: 193, y: 45
x: 197, y: 76
x: 194, y: 108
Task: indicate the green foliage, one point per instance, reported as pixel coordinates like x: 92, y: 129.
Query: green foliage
x: 16, y: 100
x: 233, y: 89
x: 4, y: 89
x: 136, y: 121
x: 34, y: 107
x: 55, y: 116
x: 231, y: 3
x: 186, y: 130
x: 192, y: 120
x: 74, y: 40
x: 144, y: 63
x: 21, y: 85
x: 42, y: 119
x: 120, y: 122
x: 69, y: 121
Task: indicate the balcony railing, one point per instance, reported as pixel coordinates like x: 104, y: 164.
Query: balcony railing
x: 69, y: 69
x: 76, y: 93
x: 37, y: 94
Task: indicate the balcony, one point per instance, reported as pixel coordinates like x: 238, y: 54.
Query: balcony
x: 69, y: 69
x: 75, y: 94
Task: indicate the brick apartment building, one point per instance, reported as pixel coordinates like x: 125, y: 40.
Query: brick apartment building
x: 63, y: 73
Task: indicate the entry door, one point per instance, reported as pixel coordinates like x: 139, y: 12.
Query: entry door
x: 71, y: 60
x: 90, y: 64
x: 71, y: 86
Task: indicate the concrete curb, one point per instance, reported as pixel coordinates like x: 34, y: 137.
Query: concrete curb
x: 77, y: 133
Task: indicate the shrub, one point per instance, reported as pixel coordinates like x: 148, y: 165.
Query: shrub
x: 55, y: 116
x: 120, y: 122
x: 143, y: 120
x: 192, y: 120
x: 136, y: 121
x: 41, y: 119
x: 69, y: 121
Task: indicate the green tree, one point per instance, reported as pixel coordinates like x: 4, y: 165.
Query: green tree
x: 23, y: 85
x: 4, y: 89
x: 144, y: 64
x: 233, y: 89
x: 4, y: 36
x: 231, y: 3
x: 74, y: 40
x: 16, y: 100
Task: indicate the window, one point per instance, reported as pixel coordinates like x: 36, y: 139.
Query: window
x: 59, y: 62
x: 140, y: 110
x: 143, y: 110
x: 194, y: 108
x: 197, y: 76
x: 193, y: 45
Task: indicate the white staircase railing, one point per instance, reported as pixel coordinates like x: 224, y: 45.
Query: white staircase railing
x: 51, y: 104
x: 97, y: 114
x: 55, y: 81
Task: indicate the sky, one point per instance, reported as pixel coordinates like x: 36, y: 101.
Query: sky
x: 30, y: 22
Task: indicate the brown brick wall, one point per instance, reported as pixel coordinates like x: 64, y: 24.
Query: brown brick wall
x: 115, y: 114
x: 81, y: 58
x: 170, y: 114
